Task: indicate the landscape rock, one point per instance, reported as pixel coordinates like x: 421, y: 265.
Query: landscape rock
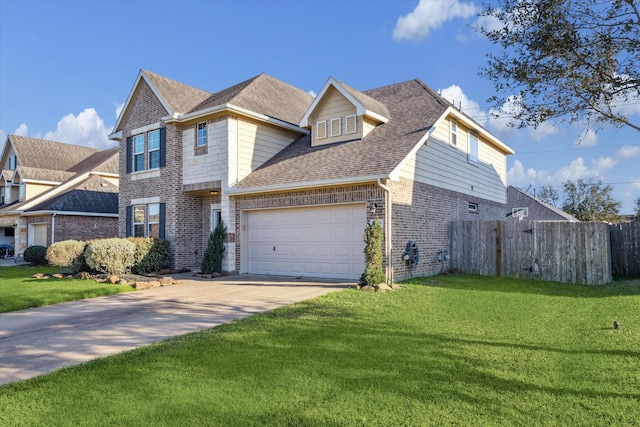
x: 83, y: 275
x: 58, y: 276
x: 368, y: 288
x: 113, y: 279
x: 38, y: 276
x: 395, y: 287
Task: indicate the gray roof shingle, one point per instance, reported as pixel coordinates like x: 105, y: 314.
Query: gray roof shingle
x: 92, y: 195
x: 44, y: 154
x: 265, y: 95
x: 414, y: 109
x: 180, y: 98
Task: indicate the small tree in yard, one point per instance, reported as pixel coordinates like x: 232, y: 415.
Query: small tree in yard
x: 212, y: 260
x: 373, y: 272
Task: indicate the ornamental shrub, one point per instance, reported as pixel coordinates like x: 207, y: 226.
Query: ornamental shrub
x: 68, y: 255
x: 373, y: 273
x: 151, y: 254
x: 36, y: 255
x: 212, y: 259
x: 110, y: 256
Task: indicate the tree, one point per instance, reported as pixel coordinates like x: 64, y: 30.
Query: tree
x: 565, y: 60
x: 373, y: 273
x: 549, y: 195
x: 590, y: 200
x: 212, y: 259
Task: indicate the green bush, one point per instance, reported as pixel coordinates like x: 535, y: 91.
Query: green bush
x: 150, y: 255
x: 36, y: 255
x: 111, y: 256
x: 68, y: 255
x: 212, y: 259
x: 373, y: 273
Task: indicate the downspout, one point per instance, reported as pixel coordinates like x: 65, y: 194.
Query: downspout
x: 53, y: 228
x: 387, y: 228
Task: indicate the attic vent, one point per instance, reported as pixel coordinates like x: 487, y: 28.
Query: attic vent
x: 321, y: 129
x: 350, y: 124
x: 336, y: 127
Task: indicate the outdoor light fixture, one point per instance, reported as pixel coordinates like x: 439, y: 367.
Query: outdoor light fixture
x: 374, y: 207
x: 214, y: 192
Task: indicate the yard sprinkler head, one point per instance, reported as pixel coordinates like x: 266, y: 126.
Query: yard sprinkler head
x: 616, y: 325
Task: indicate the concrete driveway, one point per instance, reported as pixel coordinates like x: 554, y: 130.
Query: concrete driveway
x: 38, y: 340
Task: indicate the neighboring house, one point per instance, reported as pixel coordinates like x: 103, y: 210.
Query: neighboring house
x: 53, y: 191
x: 533, y: 209
x: 296, y: 179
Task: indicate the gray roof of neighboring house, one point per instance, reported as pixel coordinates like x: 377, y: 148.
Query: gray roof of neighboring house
x: 180, y: 98
x: 92, y: 195
x: 265, y: 95
x: 43, y: 154
x: 28, y: 173
x: 106, y: 161
x: 414, y: 108
x: 537, y: 209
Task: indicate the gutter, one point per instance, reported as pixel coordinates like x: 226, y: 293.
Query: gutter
x: 68, y: 213
x: 387, y: 226
x: 53, y: 228
x: 302, y: 186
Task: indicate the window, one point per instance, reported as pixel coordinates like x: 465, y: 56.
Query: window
x: 351, y: 124
x: 473, y: 207
x: 201, y: 134
x: 473, y: 148
x: 321, y: 129
x: 138, y: 220
x: 454, y: 133
x: 153, y: 220
x: 216, y: 217
x: 146, y: 150
x: 13, y: 162
x: 154, y: 149
x: 336, y: 127
x: 138, y: 152
x: 22, y: 191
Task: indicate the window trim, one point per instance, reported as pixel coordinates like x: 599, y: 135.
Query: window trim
x: 338, y: 132
x: 205, y: 135
x: 149, y: 222
x: 138, y: 153
x: 13, y: 162
x: 216, y: 216
x: 354, y: 120
x: 473, y: 207
x: 321, y: 125
x: 149, y: 150
x: 135, y: 223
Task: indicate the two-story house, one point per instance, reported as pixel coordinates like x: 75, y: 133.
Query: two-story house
x: 53, y: 191
x: 296, y: 178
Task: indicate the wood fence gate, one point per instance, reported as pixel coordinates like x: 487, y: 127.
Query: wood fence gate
x: 567, y: 252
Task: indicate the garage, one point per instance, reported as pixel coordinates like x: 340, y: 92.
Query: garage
x: 321, y: 241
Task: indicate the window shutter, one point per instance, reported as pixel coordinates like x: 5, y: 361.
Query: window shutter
x: 321, y: 129
x: 129, y: 150
x: 163, y: 147
x: 127, y: 232
x: 163, y: 209
x: 336, y: 127
x: 351, y: 124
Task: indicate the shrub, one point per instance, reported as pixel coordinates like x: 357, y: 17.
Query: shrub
x: 36, y: 255
x: 68, y: 255
x: 111, y: 256
x: 373, y: 273
x: 212, y: 260
x: 150, y: 254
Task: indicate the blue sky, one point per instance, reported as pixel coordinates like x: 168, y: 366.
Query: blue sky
x: 67, y: 67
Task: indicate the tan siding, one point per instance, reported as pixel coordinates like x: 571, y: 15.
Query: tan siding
x: 257, y: 143
x: 334, y: 105
x: 440, y: 164
x: 367, y: 126
x: 33, y: 190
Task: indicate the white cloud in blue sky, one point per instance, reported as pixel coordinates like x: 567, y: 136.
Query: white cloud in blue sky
x: 430, y: 15
x: 87, y: 128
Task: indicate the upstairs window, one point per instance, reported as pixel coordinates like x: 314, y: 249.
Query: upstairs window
x: 201, y: 134
x: 146, y: 150
x: 473, y: 148
x: 13, y: 162
x: 138, y: 152
x: 454, y: 133
x: 154, y: 149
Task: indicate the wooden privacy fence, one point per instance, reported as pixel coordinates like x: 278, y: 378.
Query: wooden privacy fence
x: 625, y: 249
x: 570, y: 252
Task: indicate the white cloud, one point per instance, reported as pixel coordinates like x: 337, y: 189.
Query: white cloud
x: 87, y: 128
x: 22, y: 130
x: 522, y: 178
x: 457, y: 97
x: 429, y: 15
x: 312, y: 93
x: 543, y: 130
x: 577, y: 169
x: 603, y: 164
x: 629, y: 151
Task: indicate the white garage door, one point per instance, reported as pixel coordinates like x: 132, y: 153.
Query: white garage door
x: 313, y: 242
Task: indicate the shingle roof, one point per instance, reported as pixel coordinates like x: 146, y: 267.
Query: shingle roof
x: 180, y: 98
x: 414, y: 109
x: 265, y: 95
x: 27, y: 173
x: 93, y: 195
x: 43, y: 154
x: 538, y: 210
x: 106, y: 161
x: 367, y: 102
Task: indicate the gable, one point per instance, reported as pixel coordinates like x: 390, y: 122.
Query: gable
x: 330, y: 118
x: 143, y: 107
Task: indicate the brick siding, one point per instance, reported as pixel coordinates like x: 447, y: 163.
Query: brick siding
x: 70, y: 227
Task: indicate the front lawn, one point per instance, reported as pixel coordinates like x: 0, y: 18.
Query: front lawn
x: 18, y: 290
x: 455, y: 350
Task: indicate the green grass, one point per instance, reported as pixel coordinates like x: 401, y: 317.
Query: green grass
x: 19, y: 291
x: 456, y: 350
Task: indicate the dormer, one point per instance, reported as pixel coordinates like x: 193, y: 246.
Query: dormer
x: 340, y: 113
